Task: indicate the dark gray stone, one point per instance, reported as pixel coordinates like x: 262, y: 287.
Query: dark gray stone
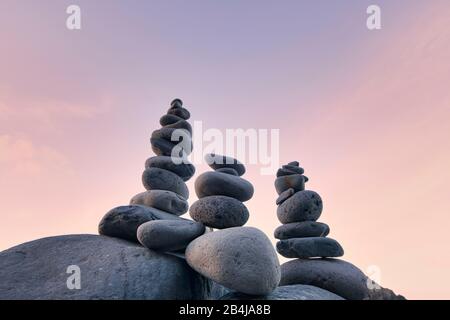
x: 217, y: 183
x: 289, y: 170
x: 337, y: 276
x: 182, y: 124
x: 184, y: 170
x: 228, y: 171
x: 241, y: 259
x: 161, y: 179
x: 169, y: 235
x: 163, y: 147
x: 216, y: 161
x: 167, y: 134
x: 302, y: 206
x: 110, y: 269
x: 293, y: 292
x: 176, y: 103
x: 122, y: 222
x: 180, y: 112
x: 219, y: 212
x: 303, y: 229
x: 317, y: 247
x: 294, y: 164
x: 169, y: 119
x: 284, y: 196
x: 294, y: 181
x: 162, y: 199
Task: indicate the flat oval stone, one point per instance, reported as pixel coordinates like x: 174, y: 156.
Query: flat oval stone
x: 182, y: 124
x: 334, y: 275
x: 184, y: 170
x: 284, y: 196
x: 292, y: 292
x: 216, y: 161
x: 169, y: 119
x: 303, y: 229
x: 222, y: 184
x: 169, y: 235
x: 123, y: 222
x: 168, y: 133
x: 160, y: 179
x: 317, y: 247
x: 219, y: 212
x: 163, y: 147
x: 302, y: 206
x: 180, y: 112
x: 293, y: 181
x: 294, y: 164
x: 162, y: 199
x: 228, y: 171
x: 241, y: 259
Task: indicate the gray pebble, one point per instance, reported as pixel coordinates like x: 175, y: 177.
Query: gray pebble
x: 180, y: 112
x: 160, y: 179
x: 302, y: 206
x: 216, y: 161
x: 294, y: 181
x: 317, y: 247
x: 222, y: 184
x: 162, y: 199
x: 303, y: 229
x: 184, y: 170
x: 169, y: 119
x: 284, y: 196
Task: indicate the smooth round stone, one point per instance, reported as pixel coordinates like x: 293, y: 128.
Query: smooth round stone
x: 302, y: 206
x: 241, y: 259
x: 295, y: 181
x: 169, y: 119
x: 292, y: 292
x: 219, y: 212
x: 284, y: 196
x: 182, y: 124
x: 228, y: 171
x: 334, y: 275
x: 222, y: 184
x: 294, y: 164
x: 169, y: 235
x: 168, y: 133
x: 162, y: 199
x: 184, y: 170
x: 180, y: 112
x: 305, y: 229
x: 216, y: 161
x: 160, y: 179
x: 317, y: 247
x: 163, y: 147
x: 122, y: 222
x: 176, y: 103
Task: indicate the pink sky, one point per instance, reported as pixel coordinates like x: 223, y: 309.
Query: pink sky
x: 366, y: 113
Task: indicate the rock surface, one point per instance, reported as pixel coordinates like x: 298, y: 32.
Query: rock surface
x: 216, y: 183
x: 241, y: 259
x: 184, y: 170
x: 161, y: 179
x: 316, y: 247
x: 216, y: 161
x: 169, y: 235
x: 293, y: 292
x: 219, y: 212
x: 110, y: 269
x: 302, y: 206
x: 293, y: 181
x: 303, y: 229
x: 163, y: 200
x: 123, y: 222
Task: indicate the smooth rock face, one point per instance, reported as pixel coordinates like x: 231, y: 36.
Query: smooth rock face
x: 184, y: 170
x: 310, y: 248
x: 302, y: 206
x: 295, y: 181
x: 169, y: 119
x: 162, y: 147
x: 228, y: 171
x: 240, y: 259
x: 219, y: 212
x: 162, y: 199
x: 123, y: 222
x: 337, y: 276
x: 180, y: 112
x: 284, y: 196
x: 160, y: 179
x: 216, y: 161
x: 110, y: 269
x: 169, y: 235
x: 293, y: 292
x: 304, y: 229
x: 216, y: 183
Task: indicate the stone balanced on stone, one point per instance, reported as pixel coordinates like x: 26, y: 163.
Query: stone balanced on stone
x: 239, y: 258
x: 152, y: 218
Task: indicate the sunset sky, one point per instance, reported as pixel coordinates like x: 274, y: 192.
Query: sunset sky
x: 367, y: 114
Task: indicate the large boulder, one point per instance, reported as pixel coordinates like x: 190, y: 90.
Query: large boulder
x: 110, y: 268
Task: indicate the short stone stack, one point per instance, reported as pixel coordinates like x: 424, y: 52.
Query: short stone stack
x: 240, y: 258
x: 153, y: 216
x: 301, y: 236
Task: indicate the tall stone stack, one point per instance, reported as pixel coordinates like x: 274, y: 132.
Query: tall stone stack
x: 240, y: 258
x: 152, y: 218
x: 301, y: 236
